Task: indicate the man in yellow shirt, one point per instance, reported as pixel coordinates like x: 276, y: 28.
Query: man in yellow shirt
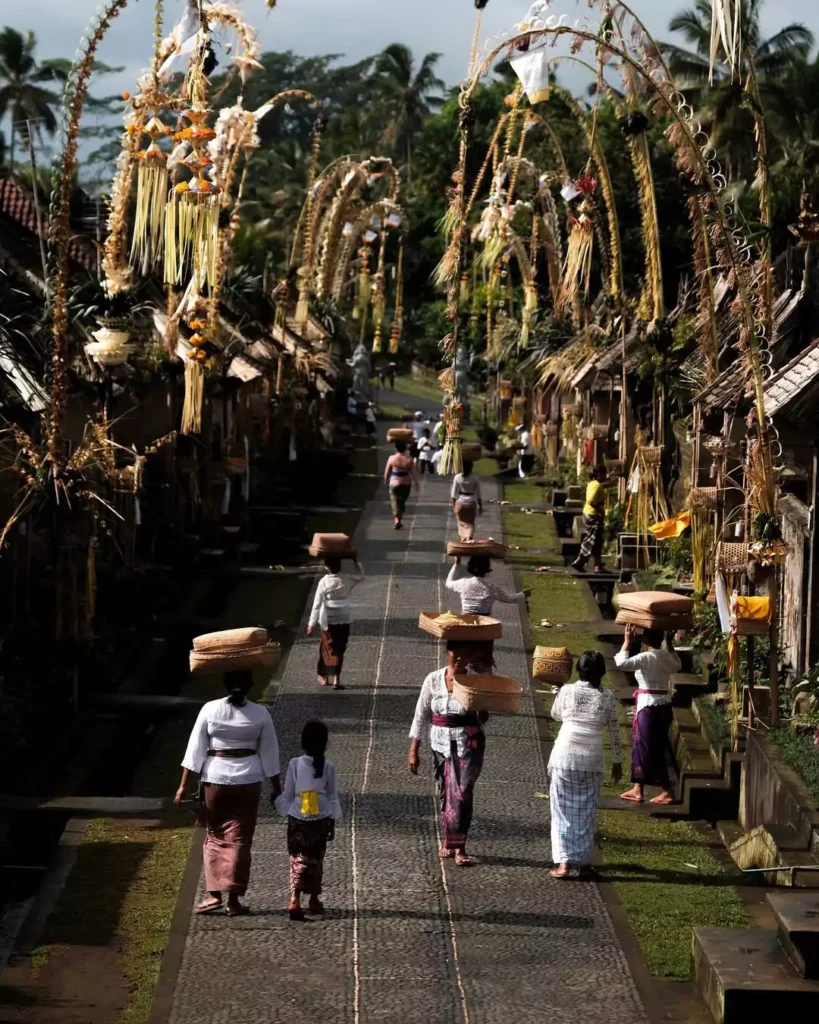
x: 594, y: 520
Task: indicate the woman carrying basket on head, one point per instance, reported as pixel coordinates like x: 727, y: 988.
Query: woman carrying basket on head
x: 331, y: 613
x: 457, y: 742
x: 399, y: 474
x: 233, y: 748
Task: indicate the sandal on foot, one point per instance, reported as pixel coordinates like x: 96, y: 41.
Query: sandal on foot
x: 462, y: 860
x: 208, y: 906
x: 295, y: 912
x: 664, y: 799
x: 445, y: 853
x: 630, y: 798
x: 338, y: 686
x: 561, y: 876
x: 321, y: 681
x: 237, y: 910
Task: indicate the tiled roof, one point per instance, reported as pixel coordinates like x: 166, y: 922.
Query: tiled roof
x: 793, y: 380
x: 17, y: 204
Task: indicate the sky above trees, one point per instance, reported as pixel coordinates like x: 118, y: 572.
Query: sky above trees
x: 352, y: 28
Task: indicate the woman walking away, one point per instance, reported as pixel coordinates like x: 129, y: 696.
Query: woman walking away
x: 310, y: 803
x: 653, y: 714
x: 576, y: 765
x: 399, y: 472
x: 457, y: 742
x: 331, y: 613
x: 426, y: 449
x: 478, y: 597
x: 233, y: 748
x: 466, y: 501
x: 594, y: 522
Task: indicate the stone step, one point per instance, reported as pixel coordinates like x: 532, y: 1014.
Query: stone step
x: 797, y: 918
x: 744, y: 975
x: 774, y: 848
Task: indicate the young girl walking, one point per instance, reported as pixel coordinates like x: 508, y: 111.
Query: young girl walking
x: 310, y: 803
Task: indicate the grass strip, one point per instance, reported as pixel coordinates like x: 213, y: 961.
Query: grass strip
x: 800, y: 753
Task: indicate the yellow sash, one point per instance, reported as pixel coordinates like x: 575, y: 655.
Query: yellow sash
x: 673, y: 527
x: 309, y: 803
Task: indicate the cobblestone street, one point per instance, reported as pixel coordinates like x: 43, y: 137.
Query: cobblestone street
x: 406, y: 938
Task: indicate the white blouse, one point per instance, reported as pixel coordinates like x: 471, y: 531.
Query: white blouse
x: 301, y: 779
x: 477, y: 596
x: 331, y: 605
x: 435, y: 699
x: 221, y: 726
x: 466, y: 489
x: 652, y: 671
x: 584, y: 710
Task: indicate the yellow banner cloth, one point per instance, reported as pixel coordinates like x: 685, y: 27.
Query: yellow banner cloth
x: 673, y: 527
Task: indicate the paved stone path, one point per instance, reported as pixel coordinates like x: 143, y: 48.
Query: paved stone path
x: 408, y: 938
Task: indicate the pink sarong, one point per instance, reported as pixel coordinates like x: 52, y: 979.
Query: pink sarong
x: 230, y: 814
x: 465, y: 517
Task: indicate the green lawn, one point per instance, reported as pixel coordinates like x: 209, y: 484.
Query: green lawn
x: 666, y: 877
x: 393, y: 413
x: 429, y: 390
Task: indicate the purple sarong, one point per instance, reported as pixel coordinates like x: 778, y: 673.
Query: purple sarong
x: 649, y: 745
x: 456, y: 777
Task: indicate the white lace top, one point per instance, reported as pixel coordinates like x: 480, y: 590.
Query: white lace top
x: 477, y: 596
x: 583, y: 711
x: 435, y: 699
x: 221, y: 726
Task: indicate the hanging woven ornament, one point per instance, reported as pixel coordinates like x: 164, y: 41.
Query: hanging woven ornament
x: 578, y: 263
x: 364, y: 286
x: 152, y: 193
x: 195, y: 376
x: 192, y: 212
x: 398, y: 315
x: 379, y: 297
x: 529, y: 309
x: 451, y: 455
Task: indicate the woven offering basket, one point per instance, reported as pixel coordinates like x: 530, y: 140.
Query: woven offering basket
x: 751, y: 627
x: 464, y: 627
x: 651, y: 456
x: 216, y: 662
x: 467, y: 548
x: 732, y: 556
x: 552, y: 665
x: 703, y: 499
x: 495, y: 694
x: 399, y: 434
x: 337, y: 544
x: 470, y: 450
x: 656, y: 602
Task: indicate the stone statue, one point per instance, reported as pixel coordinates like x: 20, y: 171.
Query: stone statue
x: 462, y: 376
x: 362, y: 369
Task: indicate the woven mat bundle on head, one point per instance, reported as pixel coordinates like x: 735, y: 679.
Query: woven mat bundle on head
x: 486, y: 546
x: 232, y: 650
x: 655, y: 609
x: 336, y: 544
x: 400, y: 434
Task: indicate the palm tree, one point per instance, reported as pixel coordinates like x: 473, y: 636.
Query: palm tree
x: 793, y: 102
x: 23, y: 96
x: 722, y: 107
x: 410, y: 96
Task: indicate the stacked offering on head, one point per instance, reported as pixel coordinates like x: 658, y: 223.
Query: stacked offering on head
x: 487, y: 547
x: 656, y: 609
x: 232, y: 650
x: 333, y: 545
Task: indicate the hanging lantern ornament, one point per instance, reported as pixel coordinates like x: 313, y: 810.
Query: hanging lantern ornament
x: 112, y: 346
x: 192, y: 213
x: 152, y: 193
x: 398, y: 315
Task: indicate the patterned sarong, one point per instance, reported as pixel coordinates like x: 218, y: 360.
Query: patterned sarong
x: 229, y: 814
x: 465, y: 512
x: 398, y: 499
x: 307, y: 844
x: 573, y: 797
x: 591, y: 546
x: 456, y: 777
x: 332, y: 649
x: 649, y: 745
